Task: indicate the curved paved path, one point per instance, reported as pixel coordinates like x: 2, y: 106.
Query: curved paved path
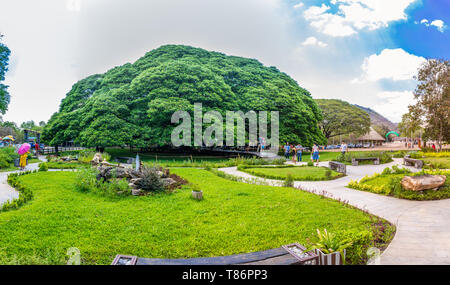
x: 423, y: 227
x: 8, y: 193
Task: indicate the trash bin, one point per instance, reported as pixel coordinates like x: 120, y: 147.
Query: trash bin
x: 17, y: 162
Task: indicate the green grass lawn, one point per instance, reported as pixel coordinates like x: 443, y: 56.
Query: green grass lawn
x: 299, y: 173
x: 164, y: 157
x: 65, y: 165
x: 233, y: 218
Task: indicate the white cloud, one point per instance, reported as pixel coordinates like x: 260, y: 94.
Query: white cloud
x: 312, y: 41
x: 355, y: 15
x: 439, y: 24
x: 394, y: 104
x: 299, y: 5
x: 394, y: 64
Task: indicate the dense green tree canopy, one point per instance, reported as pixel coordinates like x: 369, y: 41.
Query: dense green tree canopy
x: 342, y: 118
x: 4, y: 60
x: 133, y: 104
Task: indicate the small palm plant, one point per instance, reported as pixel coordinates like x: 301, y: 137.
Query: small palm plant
x: 328, y: 243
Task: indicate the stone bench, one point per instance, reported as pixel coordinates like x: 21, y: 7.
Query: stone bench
x: 417, y: 163
x: 338, y: 166
x: 355, y: 161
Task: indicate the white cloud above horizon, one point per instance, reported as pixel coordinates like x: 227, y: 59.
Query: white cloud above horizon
x: 355, y: 15
x: 438, y: 24
x: 312, y: 41
x: 299, y: 5
x: 393, y: 64
x: 394, y: 104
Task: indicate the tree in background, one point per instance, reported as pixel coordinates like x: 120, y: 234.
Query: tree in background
x: 410, y: 126
x: 4, y: 60
x: 433, y: 100
x: 381, y: 129
x: 132, y: 104
x: 342, y: 118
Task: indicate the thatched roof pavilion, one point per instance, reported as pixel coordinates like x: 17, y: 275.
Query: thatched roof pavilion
x: 371, y: 137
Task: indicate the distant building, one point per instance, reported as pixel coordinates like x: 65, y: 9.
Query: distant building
x: 371, y: 137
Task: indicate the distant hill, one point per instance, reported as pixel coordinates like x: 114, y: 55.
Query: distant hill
x: 378, y: 120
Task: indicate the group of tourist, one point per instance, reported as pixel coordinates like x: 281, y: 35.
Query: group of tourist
x: 298, y: 149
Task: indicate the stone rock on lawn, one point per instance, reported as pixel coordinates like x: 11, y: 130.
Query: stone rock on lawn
x: 136, y: 192
x: 122, y: 172
x: 423, y: 182
x: 168, y: 181
x: 133, y: 186
x: 135, y: 180
x: 97, y: 159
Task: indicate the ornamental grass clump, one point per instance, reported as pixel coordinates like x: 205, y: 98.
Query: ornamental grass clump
x: 289, y: 181
x: 329, y: 243
x: 150, y: 180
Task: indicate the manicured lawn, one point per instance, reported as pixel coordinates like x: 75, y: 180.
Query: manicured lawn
x: 65, y: 165
x: 233, y: 218
x: 389, y: 184
x: 164, y: 157
x: 299, y: 173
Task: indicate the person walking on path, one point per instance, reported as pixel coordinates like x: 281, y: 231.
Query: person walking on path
x: 344, y: 148
x: 287, y: 149
x: 36, y: 146
x: 23, y: 161
x: 315, y: 154
x: 294, y: 153
x: 299, y: 150
x: 434, y: 147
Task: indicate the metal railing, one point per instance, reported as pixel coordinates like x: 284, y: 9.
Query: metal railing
x: 51, y: 149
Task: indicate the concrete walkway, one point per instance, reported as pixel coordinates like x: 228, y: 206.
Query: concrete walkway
x: 423, y: 227
x: 7, y: 193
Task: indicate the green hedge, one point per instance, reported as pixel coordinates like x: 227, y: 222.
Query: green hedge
x: 25, y: 194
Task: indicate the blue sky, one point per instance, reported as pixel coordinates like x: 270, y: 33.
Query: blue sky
x: 362, y: 51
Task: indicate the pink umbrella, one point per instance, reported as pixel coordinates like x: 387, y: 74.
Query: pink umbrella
x: 24, y: 148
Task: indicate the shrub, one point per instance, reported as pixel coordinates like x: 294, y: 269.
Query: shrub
x: 310, y: 163
x: 43, y: 167
x: 150, y: 181
x: 289, y: 181
x: 7, y: 156
x: 328, y: 174
x: 86, y: 180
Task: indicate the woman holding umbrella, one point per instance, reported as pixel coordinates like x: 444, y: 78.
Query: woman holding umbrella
x: 23, y: 152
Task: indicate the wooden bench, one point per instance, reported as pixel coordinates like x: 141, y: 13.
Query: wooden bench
x: 355, y: 161
x: 277, y: 256
x: 417, y: 163
x: 339, y: 167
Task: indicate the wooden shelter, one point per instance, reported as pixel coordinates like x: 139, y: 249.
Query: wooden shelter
x: 371, y: 137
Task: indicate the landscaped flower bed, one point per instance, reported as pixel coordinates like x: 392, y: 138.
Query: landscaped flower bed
x: 298, y: 173
x: 389, y: 183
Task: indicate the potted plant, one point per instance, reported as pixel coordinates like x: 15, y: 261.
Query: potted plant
x: 196, y: 192
x: 330, y: 249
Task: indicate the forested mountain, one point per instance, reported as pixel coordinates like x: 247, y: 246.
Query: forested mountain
x: 378, y: 120
x: 133, y: 104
